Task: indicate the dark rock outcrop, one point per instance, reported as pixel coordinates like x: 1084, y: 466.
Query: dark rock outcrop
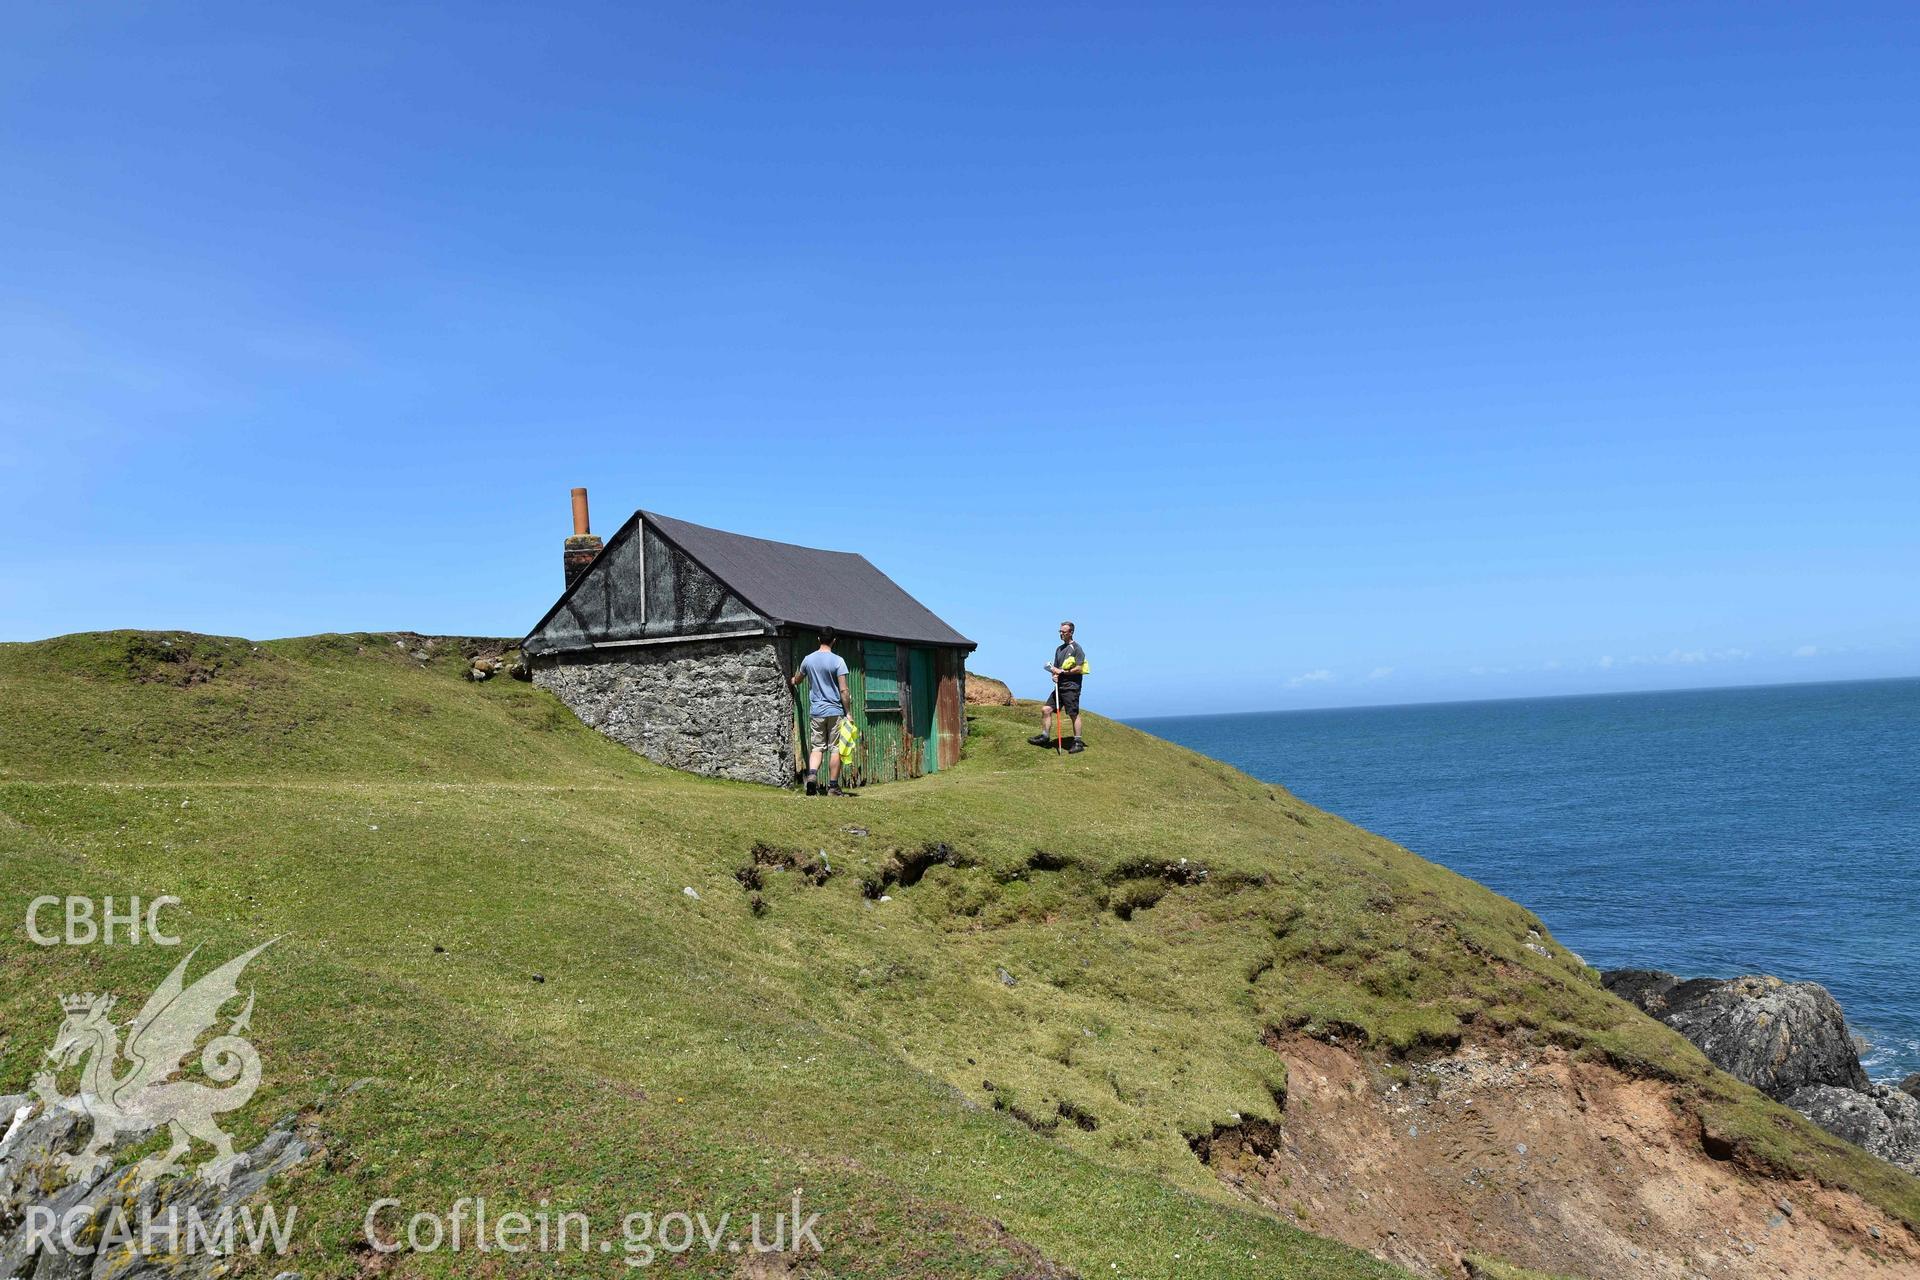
x: 1789, y: 1040
x: 1779, y: 1037
x: 111, y: 1202
x: 1881, y: 1119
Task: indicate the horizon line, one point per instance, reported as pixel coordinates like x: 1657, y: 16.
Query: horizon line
x: 1518, y: 697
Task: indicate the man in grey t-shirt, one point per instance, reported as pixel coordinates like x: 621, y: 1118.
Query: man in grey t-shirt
x: 827, y: 701
x: 1069, y: 670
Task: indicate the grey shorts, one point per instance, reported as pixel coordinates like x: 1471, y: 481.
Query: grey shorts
x: 824, y: 729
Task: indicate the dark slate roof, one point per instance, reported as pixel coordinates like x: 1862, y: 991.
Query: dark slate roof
x: 807, y: 586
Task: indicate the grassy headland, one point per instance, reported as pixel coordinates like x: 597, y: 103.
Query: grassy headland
x: 979, y: 1044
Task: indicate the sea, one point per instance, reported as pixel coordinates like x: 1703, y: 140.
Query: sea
x: 1710, y: 832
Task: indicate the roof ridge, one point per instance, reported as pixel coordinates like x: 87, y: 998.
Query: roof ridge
x: 785, y: 583
x: 751, y: 537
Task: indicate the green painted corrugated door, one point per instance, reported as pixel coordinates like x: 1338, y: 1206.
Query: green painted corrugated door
x: 882, y: 733
x: 924, y: 689
x: 896, y: 692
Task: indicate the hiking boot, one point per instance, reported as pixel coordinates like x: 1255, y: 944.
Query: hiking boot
x: 1075, y: 747
x: 833, y: 789
x: 1040, y: 740
x: 813, y: 788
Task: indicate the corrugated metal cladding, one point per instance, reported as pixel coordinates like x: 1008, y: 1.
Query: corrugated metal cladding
x: 661, y: 581
x: 907, y: 702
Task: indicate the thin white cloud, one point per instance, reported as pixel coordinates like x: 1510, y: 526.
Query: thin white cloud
x: 1606, y: 662
x: 1807, y: 651
x: 1379, y: 673
x: 1679, y: 658
x: 1318, y: 676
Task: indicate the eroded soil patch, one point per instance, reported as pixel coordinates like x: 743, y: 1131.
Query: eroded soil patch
x: 1523, y: 1153
x: 1141, y: 883
x: 1043, y: 1121
x: 905, y: 869
x: 765, y: 860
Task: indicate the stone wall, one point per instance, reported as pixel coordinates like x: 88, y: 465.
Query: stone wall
x: 718, y: 707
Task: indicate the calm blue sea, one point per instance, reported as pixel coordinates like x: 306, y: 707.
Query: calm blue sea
x: 1711, y: 832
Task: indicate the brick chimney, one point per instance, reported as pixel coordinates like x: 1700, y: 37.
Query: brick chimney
x: 582, y: 547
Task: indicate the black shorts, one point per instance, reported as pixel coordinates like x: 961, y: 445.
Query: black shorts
x: 1065, y: 697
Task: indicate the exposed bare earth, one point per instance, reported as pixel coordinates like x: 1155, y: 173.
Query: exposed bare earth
x: 985, y: 691
x: 1521, y: 1153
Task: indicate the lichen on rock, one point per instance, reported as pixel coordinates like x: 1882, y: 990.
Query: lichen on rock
x: 1777, y: 1036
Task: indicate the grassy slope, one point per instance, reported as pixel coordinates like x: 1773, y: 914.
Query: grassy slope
x: 686, y: 1053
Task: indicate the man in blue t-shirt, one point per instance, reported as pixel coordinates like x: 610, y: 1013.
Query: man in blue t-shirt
x: 827, y: 701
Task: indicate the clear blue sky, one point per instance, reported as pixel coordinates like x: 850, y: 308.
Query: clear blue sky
x: 1304, y: 354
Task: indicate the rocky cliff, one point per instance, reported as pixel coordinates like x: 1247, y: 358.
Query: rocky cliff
x: 1790, y: 1041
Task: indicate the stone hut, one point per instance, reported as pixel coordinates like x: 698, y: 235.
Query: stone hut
x: 678, y: 641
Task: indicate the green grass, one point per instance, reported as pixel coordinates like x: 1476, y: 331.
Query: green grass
x: 1483, y: 1268
x: 423, y: 847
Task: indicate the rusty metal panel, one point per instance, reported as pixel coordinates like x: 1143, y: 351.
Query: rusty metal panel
x: 907, y: 759
x: 950, y: 708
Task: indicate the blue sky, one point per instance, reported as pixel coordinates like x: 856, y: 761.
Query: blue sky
x: 1305, y: 355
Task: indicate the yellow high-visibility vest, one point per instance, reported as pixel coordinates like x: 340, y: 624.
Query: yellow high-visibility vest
x: 849, y: 736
